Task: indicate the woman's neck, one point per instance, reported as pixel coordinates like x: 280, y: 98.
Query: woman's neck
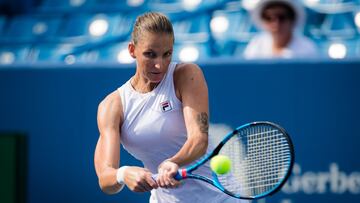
x: 142, y: 85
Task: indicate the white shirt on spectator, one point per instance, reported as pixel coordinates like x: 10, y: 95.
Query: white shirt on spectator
x: 260, y: 47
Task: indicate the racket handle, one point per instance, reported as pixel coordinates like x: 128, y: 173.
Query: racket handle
x: 177, y: 176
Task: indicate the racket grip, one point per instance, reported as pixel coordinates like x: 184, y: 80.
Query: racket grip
x: 177, y: 176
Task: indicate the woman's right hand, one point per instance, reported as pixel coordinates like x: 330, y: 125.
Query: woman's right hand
x: 139, y: 179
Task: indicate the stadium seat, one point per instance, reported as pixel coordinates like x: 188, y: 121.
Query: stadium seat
x: 2, y: 24
x: 331, y: 6
x: 113, y: 53
x: 241, y: 28
x: 191, y: 52
x: 14, y: 54
x: 28, y: 28
x: 314, y: 21
x: 237, y: 49
x: 339, y: 49
x: 183, y: 5
x: 339, y: 25
x: 96, y: 30
x: 352, y: 48
x: 83, y: 27
x: 195, y: 28
x: 137, y: 6
x: 357, y: 48
x: 50, y: 52
x: 232, y: 29
x: 65, y: 6
x: 167, y: 5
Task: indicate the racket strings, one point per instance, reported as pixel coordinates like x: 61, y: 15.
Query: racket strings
x: 260, y: 158
x: 263, y: 151
x: 265, y: 172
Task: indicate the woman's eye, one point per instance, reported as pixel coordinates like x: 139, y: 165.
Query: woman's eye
x: 150, y: 54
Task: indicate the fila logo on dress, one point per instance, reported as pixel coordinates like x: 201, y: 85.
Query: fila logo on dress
x: 165, y: 106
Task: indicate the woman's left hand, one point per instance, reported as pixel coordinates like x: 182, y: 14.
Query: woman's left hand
x: 167, y: 170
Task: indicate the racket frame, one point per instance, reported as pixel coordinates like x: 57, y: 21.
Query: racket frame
x: 185, y: 173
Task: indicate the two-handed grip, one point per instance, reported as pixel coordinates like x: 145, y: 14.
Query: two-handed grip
x: 178, y: 175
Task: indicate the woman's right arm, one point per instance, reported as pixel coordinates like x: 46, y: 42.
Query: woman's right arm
x: 107, y: 152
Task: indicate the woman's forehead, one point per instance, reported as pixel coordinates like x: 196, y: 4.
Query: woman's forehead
x: 148, y: 35
x: 155, y: 40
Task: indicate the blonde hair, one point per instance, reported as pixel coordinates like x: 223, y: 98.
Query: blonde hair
x: 152, y: 22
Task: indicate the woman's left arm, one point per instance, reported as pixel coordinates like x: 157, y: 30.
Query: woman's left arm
x: 191, y: 89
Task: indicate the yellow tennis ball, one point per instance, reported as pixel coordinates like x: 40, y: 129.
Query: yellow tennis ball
x: 220, y: 164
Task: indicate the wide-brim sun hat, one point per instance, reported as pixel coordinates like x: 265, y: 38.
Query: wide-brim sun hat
x: 294, y: 4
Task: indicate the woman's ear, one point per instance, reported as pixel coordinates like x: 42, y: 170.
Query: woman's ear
x: 131, y: 48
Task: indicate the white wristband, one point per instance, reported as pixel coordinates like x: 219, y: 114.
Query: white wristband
x: 120, y: 177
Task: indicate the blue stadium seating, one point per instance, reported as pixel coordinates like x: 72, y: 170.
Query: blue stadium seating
x: 340, y: 25
x: 179, y: 5
x: 137, y: 6
x: 357, y: 48
x: 14, y: 54
x: 331, y: 6
x: 50, y: 52
x: 203, y: 51
x: 237, y: 49
x: 64, y: 6
x: 239, y: 32
x: 2, y: 24
x: 60, y: 28
x: 240, y: 28
x: 313, y: 24
x: 195, y: 29
x: 76, y: 27
x: 351, y: 46
x: 27, y: 28
x: 107, y: 53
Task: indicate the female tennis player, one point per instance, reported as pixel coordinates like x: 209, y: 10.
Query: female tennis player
x: 160, y: 116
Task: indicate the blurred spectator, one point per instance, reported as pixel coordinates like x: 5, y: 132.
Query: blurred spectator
x: 282, y: 22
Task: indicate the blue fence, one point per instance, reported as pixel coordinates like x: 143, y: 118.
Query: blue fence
x: 317, y: 102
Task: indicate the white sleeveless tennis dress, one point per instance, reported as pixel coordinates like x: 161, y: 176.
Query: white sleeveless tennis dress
x: 154, y: 130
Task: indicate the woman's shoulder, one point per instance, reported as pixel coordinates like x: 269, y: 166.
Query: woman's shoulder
x: 110, y: 110
x: 184, y: 74
x: 186, y: 66
x: 111, y: 100
x: 186, y: 69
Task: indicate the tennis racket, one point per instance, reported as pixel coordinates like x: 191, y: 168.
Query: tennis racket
x: 262, y: 157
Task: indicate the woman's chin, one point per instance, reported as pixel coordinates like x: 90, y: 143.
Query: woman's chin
x: 156, y: 78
